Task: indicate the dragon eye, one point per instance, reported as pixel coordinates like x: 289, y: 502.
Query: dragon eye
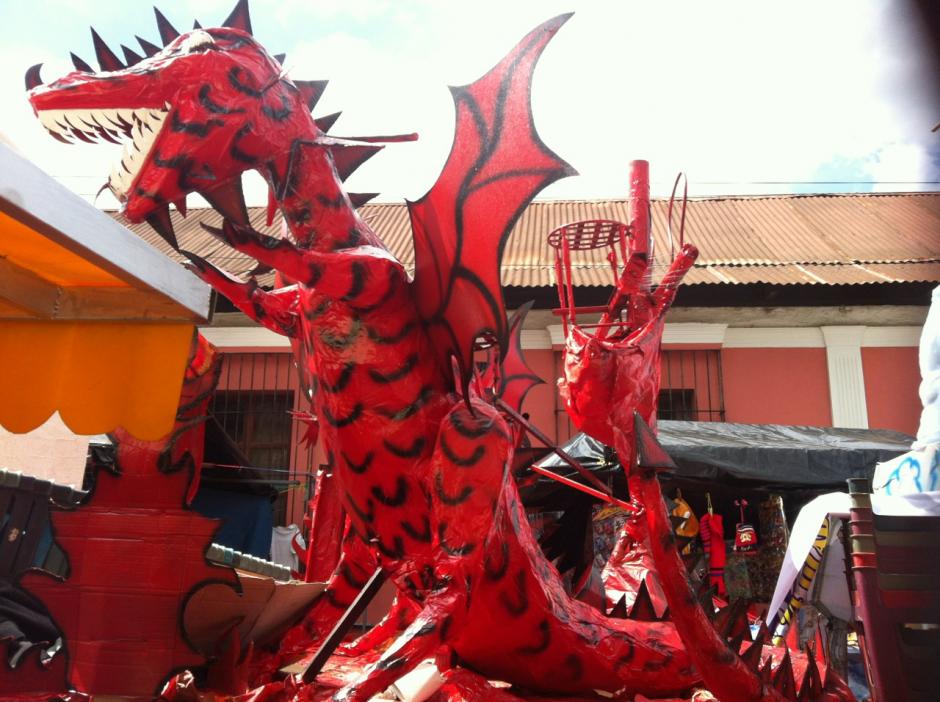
x: 197, y: 41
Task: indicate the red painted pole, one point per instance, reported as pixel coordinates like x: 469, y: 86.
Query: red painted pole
x: 641, y: 231
x: 635, y: 282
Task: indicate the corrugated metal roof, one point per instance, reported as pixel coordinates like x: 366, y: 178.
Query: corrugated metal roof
x: 780, y: 240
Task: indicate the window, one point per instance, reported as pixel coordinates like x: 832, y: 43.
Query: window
x: 259, y: 423
x: 253, y: 404
x: 691, y: 386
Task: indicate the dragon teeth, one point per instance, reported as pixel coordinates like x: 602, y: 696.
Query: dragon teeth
x: 141, y: 125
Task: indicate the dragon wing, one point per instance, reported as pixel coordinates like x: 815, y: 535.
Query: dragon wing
x: 516, y: 378
x: 496, y: 166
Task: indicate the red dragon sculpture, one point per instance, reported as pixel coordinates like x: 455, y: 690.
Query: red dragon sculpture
x: 418, y: 449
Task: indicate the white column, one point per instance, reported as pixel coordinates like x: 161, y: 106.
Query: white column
x: 846, y: 378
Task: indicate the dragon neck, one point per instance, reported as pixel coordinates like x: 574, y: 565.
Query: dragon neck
x: 310, y: 194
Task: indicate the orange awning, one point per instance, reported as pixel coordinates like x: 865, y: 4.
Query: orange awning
x: 94, y: 323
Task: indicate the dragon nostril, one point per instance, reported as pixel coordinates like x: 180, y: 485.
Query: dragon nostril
x: 33, y: 78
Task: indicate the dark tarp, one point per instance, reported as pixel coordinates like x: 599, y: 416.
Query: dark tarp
x: 772, y: 455
x: 729, y: 462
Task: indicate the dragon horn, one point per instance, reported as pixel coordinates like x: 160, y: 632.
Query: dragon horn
x: 148, y: 48
x: 160, y: 220
x: 239, y: 17
x: 228, y: 200
x: 280, y: 58
x: 167, y: 31
x: 32, y: 76
x: 107, y: 59
x: 80, y: 64
x: 196, y: 24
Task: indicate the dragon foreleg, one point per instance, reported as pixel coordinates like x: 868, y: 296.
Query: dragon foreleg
x: 275, y: 310
x: 423, y: 639
x: 363, y: 276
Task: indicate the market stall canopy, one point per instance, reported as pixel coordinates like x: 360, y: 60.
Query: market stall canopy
x: 94, y: 322
x: 767, y: 454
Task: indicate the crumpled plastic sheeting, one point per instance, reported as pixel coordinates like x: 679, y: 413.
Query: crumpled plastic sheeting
x: 630, y: 565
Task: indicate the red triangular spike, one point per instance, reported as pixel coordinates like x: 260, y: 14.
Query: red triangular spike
x: 272, y: 206
x: 819, y: 645
x: 783, y: 678
x: 735, y: 643
x: 751, y: 656
x: 324, y: 123
x: 148, y: 48
x: 311, y: 91
x: 726, y: 616
x: 196, y: 24
x: 762, y: 633
x: 239, y: 18
x: 107, y: 59
x: 130, y: 56
x: 348, y: 158
x: 80, y: 65
x: 359, y: 199
x: 229, y: 201
x: 619, y: 610
x: 706, y: 598
x: 181, y: 206
x: 160, y: 220
x: 812, y: 686
x: 643, y: 609
x: 280, y: 58
x: 167, y: 31
x: 738, y: 626
x: 649, y: 453
x: 766, y: 673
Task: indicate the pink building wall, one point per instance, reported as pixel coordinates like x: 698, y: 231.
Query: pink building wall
x: 776, y: 386
x: 758, y: 385
x: 892, y: 377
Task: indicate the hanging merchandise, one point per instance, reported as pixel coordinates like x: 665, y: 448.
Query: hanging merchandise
x: 712, y: 531
x: 688, y: 528
x: 773, y: 546
x: 745, y: 537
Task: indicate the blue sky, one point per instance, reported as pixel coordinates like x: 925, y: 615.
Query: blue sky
x: 745, y: 97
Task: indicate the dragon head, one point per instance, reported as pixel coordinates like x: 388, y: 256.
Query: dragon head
x: 196, y: 114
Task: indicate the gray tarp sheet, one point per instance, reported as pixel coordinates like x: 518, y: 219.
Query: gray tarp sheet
x: 769, y: 454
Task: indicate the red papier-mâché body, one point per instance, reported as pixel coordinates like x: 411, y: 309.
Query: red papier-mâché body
x: 414, y: 438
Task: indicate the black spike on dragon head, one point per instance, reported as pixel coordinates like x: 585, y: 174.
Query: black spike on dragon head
x: 197, y: 113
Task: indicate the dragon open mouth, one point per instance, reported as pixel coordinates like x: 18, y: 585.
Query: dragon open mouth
x: 141, y: 126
